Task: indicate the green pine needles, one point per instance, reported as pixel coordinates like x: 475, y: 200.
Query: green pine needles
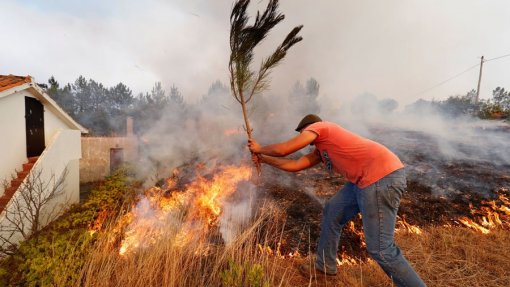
x: 244, y: 82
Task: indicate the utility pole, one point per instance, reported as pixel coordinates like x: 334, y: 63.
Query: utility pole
x: 479, y: 81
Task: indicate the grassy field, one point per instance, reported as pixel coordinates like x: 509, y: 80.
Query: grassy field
x: 67, y: 253
x: 443, y: 256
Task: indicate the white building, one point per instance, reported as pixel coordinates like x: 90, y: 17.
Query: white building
x: 37, y: 136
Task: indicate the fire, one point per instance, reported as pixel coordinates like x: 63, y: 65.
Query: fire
x: 97, y: 224
x: 490, y: 215
x: 183, y: 214
x: 265, y: 249
x: 470, y: 223
x: 352, y: 227
x: 404, y: 225
x: 210, y: 194
x: 346, y: 260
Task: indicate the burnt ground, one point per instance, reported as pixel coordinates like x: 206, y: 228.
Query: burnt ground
x: 301, y: 196
x: 440, y: 191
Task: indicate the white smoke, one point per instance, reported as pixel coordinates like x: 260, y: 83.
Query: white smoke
x: 237, y: 213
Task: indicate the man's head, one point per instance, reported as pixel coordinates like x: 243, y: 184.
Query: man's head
x: 308, y: 120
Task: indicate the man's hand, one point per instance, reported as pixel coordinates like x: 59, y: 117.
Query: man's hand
x: 254, y: 146
x: 256, y: 158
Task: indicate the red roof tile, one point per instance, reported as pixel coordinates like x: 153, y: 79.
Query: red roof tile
x: 10, y: 81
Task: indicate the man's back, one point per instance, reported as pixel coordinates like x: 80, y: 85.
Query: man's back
x: 360, y: 160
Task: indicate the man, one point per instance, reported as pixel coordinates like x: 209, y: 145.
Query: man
x: 376, y: 181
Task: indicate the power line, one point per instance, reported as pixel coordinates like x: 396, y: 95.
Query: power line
x: 497, y: 58
x: 459, y: 74
x: 447, y: 80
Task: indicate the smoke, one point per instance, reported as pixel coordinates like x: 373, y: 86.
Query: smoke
x: 200, y: 132
x: 347, y: 47
x: 427, y: 140
x: 312, y: 194
x: 450, y: 154
x: 237, y: 212
x: 392, y: 48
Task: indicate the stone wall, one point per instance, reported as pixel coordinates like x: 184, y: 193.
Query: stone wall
x: 95, y: 160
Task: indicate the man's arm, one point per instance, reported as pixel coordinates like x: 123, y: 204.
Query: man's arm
x: 291, y: 165
x: 285, y: 148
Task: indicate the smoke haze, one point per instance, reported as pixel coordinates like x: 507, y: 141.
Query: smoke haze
x: 394, y: 49
x: 362, y: 54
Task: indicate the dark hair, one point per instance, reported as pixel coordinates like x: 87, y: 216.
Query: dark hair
x: 308, y: 120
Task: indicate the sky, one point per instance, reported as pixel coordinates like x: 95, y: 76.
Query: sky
x: 400, y: 49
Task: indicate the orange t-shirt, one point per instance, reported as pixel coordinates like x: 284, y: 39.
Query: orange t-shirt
x: 360, y: 160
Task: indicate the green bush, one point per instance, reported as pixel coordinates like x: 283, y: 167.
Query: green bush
x: 248, y: 274
x: 490, y: 110
x: 55, y: 256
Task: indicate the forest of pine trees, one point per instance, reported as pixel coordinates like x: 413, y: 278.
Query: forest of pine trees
x: 103, y: 110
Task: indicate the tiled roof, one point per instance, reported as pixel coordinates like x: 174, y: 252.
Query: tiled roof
x: 10, y: 81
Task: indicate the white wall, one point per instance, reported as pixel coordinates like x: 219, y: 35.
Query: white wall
x: 13, y: 147
x: 13, y: 150
x: 62, y: 152
x: 52, y: 124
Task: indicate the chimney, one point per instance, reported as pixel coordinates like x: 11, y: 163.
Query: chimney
x: 129, y: 127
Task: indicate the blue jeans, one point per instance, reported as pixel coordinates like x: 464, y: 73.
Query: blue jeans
x: 378, y: 204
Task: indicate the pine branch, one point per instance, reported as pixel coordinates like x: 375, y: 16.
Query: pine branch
x: 243, y: 40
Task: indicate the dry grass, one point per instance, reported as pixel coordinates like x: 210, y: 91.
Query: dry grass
x: 443, y: 256
x: 168, y: 262
x: 458, y: 256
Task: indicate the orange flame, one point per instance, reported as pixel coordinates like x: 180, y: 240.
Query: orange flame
x: 264, y: 249
x: 471, y: 224
x: 97, y: 224
x: 409, y: 228
x: 346, y: 260
x: 195, y: 209
x: 360, y: 233
x: 489, y: 215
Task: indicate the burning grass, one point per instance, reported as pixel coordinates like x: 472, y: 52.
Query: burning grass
x: 192, y: 211
x: 184, y: 233
x: 443, y: 256
x: 191, y: 251
x: 203, y: 260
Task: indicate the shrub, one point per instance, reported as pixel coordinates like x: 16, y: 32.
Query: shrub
x: 56, y: 254
x: 248, y: 274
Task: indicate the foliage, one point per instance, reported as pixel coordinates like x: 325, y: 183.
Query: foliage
x: 103, y: 110
x: 247, y: 274
x: 245, y: 83
x: 501, y: 98
x: 498, y: 107
x: 28, y: 210
x: 53, y: 259
x: 459, y: 105
x: 55, y: 255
